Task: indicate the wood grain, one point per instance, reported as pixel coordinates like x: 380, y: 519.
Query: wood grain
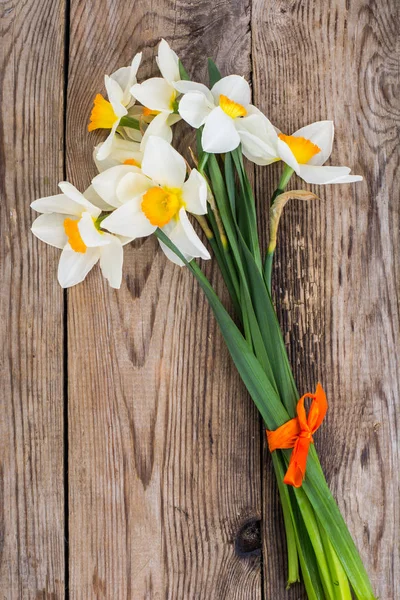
x: 336, y: 281
x: 31, y: 304
x: 164, y: 450
x: 167, y: 484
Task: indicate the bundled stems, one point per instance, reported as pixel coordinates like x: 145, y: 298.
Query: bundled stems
x: 318, y: 542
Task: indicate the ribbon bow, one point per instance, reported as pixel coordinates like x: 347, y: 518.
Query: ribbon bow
x: 298, y: 434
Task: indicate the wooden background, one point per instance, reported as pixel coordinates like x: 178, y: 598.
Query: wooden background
x: 132, y: 460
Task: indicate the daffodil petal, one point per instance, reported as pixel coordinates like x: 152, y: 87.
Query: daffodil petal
x: 74, y: 266
x: 105, y: 184
x: 194, y: 193
x: 60, y: 203
x: 320, y: 133
x: 158, y: 127
x: 111, y: 260
x: 257, y: 124
x: 285, y: 153
x: 219, y: 133
x: 115, y: 95
x: 70, y: 202
x: 106, y: 147
x: 348, y: 179
x: 123, y: 78
x: 186, y: 87
x: 255, y: 150
x: 322, y: 175
x: 94, y: 198
x: 234, y: 87
x: 173, y: 119
x: 49, y: 228
x: 135, y: 64
x: 155, y: 94
x: 258, y: 137
x: 194, y: 108
x: 163, y: 164
x: 167, y: 61
x: 183, y: 235
x: 91, y: 236
x: 131, y: 186
x: 70, y: 190
x: 126, y: 78
x: 172, y: 256
x: 129, y: 220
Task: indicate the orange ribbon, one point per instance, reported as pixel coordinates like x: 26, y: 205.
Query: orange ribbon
x: 298, y: 434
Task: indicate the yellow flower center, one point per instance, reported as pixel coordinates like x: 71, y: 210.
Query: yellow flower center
x: 160, y: 205
x: 302, y: 148
x: 74, y: 237
x: 231, y: 108
x: 132, y: 162
x: 102, y: 115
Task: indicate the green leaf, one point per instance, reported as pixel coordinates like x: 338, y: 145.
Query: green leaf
x: 260, y: 298
x: 311, y: 524
x: 297, y: 534
x: 331, y: 520
x: 340, y: 582
x: 230, y: 181
x: 203, y: 161
x: 271, y: 331
x: 214, y: 74
x: 290, y: 523
x: 250, y: 319
x: 247, y: 217
x: 182, y: 71
x: 250, y: 370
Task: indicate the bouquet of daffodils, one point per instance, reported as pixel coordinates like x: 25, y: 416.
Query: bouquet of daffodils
x: 145, y: 187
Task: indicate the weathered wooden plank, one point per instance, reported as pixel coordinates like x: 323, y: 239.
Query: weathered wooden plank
x: 31, y: 304
x: 338, y: 258
x: 164, y: 454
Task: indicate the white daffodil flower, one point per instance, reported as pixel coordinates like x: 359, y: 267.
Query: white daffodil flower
x: 69, y: 222
x: 158, y: 94
x: 107, y: 114
x: 305, y: 151
x: 220, y: 110
x: 156, y: 195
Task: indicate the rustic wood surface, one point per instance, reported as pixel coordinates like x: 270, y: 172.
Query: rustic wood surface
x: 132, y: 463
x: 31, y: 305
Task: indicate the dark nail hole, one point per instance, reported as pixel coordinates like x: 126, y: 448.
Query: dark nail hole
x: 248, y: 539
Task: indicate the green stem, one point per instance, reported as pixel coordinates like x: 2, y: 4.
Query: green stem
x: 128, y: 121
x: 246, y: 216
x: 293, y: 559
x: 340, y: 582
x: 202, y: 162
x: 228, y: 276
x: 284, y: 180
x: 269, y: 258
x: 225, y: 256
x: 311, y: 524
